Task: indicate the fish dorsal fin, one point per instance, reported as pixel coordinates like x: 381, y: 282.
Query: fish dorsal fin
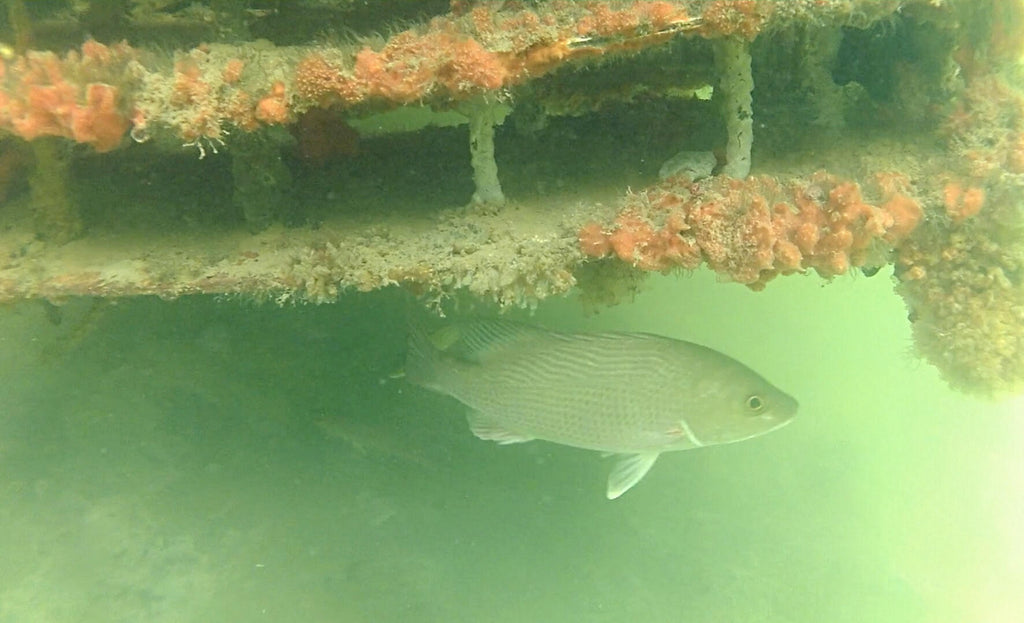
x: 488, y: 428
x: 628, y: 471
x: 479, y: 340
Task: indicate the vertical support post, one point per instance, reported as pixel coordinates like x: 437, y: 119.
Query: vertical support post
x: 736, y: 84
x: 261, y: 179
x: 55, y: 213
x: 483, y: 116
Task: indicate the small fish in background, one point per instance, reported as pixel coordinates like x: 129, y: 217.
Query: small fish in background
x: 635, y: 395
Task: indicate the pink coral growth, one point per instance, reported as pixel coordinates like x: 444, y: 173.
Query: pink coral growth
x: 410, y: 67
x: 755, y: 229
x: 743, y: 18
x: 46, y: 95
x: 486, y: 48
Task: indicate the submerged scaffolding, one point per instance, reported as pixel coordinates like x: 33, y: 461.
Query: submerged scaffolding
x: 815, y: 135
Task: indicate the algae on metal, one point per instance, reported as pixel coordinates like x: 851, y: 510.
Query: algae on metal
x: 856, y: 88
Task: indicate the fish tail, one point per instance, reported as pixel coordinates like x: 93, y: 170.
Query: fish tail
x: 422, y: 359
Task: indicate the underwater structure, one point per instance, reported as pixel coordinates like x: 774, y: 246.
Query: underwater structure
x: 515, y: 150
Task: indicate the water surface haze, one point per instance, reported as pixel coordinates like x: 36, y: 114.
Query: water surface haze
x: 218, y: 460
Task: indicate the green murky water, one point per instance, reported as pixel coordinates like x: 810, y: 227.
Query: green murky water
x: 208, y: 460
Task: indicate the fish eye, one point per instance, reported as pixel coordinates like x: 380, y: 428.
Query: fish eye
x: 755, y: 403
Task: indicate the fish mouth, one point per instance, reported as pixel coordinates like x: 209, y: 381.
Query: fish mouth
x: 781, y: 415
x: 780, y: 422
x: 771, y: 424
x: 788, y: 407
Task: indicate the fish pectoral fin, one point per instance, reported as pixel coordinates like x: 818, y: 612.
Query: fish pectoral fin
x: 628, y: 471
x: 490, y: 429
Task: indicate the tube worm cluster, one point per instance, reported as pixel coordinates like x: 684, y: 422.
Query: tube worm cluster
x: 95, y: 95
x: 72, y: 96
x: 755, y: 229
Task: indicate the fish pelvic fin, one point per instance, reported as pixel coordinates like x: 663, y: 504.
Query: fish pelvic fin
x: 628, y: 471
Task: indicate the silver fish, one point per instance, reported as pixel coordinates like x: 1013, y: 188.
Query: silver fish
x: 631, y: 394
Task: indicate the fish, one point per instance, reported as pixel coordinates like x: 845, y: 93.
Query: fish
x: 633, y: 395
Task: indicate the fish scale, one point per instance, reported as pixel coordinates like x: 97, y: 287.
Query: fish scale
x: 634, y: 394
x: 595, y: 414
